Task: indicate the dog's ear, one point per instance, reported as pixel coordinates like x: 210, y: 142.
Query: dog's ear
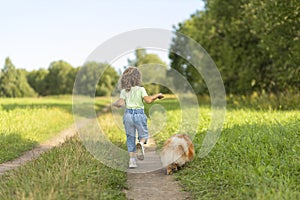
x: 181, y: 149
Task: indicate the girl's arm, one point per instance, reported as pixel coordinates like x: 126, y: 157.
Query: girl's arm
x: 119, y: 103
x: 150, y: 99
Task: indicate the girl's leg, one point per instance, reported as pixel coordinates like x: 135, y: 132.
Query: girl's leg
x: 143, y: 140
x: 130, y: 139
x: 131, y: 149
x: 142, y: 127
x: 132, y: 154
x: 130, y: 133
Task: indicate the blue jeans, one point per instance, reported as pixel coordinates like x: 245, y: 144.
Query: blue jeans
x: 135, y: 120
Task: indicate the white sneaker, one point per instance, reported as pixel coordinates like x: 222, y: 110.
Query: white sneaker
x: 140, y: 151
x: 132, y: 163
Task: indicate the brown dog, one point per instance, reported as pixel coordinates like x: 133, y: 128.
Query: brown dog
x: 176, y: 151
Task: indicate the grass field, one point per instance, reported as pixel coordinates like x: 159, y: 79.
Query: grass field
x: 25, y: 122
x: 256, y: 157
x: 66, y: 172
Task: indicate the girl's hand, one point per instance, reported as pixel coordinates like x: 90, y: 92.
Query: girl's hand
x: 119, y: 103
x: 150, y: 99
x: 160, y: 96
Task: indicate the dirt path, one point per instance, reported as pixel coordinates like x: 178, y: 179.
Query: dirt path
x: 45, y: 146
x: 34, y: 153
x: 148, y: 181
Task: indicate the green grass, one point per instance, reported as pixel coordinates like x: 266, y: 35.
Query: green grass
x: 256, y: 157
x: 66, y: 172
x: 25, y: 122
x: 113, y: 132
x: 281, y: 101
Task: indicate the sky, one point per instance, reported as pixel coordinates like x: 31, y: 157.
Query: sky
x: 33, y: 33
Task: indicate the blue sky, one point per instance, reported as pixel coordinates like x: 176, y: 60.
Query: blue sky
x: 37, y: 32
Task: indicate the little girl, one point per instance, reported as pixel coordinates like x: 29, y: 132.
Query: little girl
x: 134, y: 119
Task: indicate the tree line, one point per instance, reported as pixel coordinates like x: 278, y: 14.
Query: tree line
x: 58, y: 79
x: 255, y: 45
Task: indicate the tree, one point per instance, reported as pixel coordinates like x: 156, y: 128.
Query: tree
x: 25, y: 89
x: 8, y: 76
x: 97, y: 79
x: 59, y: 80
x: 247, y: 40
x: 13, y: 82
x: 37, y: 80
x: 108, y: 81
x: 149, y: 61
x: 277, y: 24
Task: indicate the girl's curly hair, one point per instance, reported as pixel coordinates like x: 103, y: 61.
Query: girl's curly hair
x: 131, y: 77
